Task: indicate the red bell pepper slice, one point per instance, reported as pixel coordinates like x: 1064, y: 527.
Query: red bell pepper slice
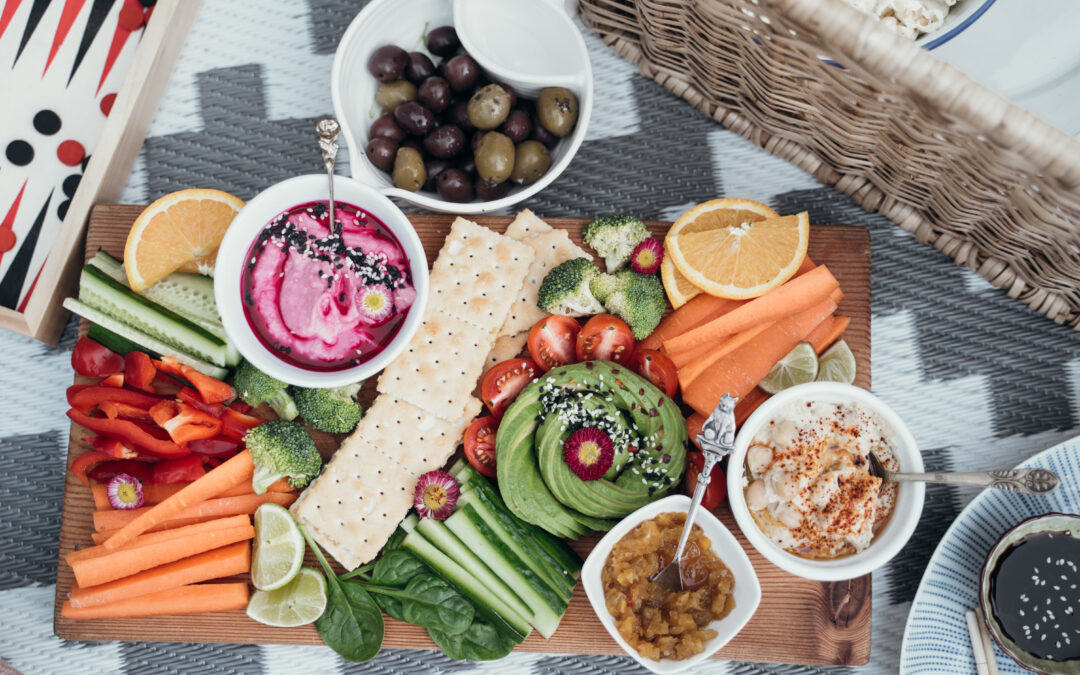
x: 139, y: 371
x: 183, y: 470
x: 211, y: 390
x: 114, y: 448
x: 114, y: 380
x: 86, y: 399
x: 185, y: 423
x: 85, y: 461
x: 106, y: 471
x: 192, y: 398
x: 236, y: 424
x: 240, y: 407
x: 126, y: 411
x: 131, y: 433
x: 92, y: 359
x: 214, y: 447
x: 75, y: 389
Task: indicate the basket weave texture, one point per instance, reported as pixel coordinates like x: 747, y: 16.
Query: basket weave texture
x: 901, y: 132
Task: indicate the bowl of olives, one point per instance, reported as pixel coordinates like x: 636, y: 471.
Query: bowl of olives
x: 428, y: 123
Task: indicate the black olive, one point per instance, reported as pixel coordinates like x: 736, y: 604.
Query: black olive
x: 443, y: 41
x: 419, y: 67
x: 517, y: 126
x: 459, y: 115
x: 461, y: 72
x: 381, y: 152
x: 539, y: 133
x: 434, y: 168
x: 387, y: 63
x: 487, y: 192
x: 414, y: 118
x: 445, y: 141
x: 454, y: 185
x: 386, y: 127
x: 434, y: 93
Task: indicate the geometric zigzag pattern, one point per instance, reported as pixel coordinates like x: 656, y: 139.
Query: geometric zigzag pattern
x: 982, y: 381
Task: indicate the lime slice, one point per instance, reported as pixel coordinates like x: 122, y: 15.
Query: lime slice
x: 798, y: 367
x: 279, y: 548
x: 837, y: 364
x: 298, y: 602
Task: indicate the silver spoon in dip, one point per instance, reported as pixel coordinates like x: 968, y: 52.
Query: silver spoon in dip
x: 717, y: 439
x: 328, y: 130
x: 1027, y: 481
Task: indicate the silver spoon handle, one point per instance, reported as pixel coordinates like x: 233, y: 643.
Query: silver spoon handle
x: 699, y: 494
x: 1029, y: 481
x: 328, y: 129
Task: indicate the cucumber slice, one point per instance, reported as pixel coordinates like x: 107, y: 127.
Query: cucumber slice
x: 489, y: 606
x: 110, y: 266
x: 120, y: 345
x: 439, y: 534
x: 546, y: 605
x: 102, y: 292
x: 149, y: 343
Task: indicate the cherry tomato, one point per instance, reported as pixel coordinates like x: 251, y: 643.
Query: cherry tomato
x: 605, y: 338
x: 480, y: 444
x: 504, y: 381
x: 717, y: 489
x: 92, y: 359
x: 658, y: 368
x: 551, y: 341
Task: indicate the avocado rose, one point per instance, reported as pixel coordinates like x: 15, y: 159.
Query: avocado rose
x: 645, y: 427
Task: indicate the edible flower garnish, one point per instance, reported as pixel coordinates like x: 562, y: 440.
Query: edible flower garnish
x: 125, y: 492
x: 375, y: 304
x: 436, y: 495
x: 589, y: 453
x: 647, y: 256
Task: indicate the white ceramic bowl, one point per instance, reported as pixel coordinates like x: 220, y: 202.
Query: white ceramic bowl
x: 960, y: 17
x: 888, y: 541
x: 234, y: 248
x: 402, y: 22
x: 747, y: 590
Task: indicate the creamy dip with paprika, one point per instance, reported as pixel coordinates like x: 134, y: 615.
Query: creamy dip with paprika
x: 326, y: 300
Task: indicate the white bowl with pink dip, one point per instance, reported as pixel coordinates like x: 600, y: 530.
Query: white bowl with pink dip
x: 269, y: 285
x: 828, y: 509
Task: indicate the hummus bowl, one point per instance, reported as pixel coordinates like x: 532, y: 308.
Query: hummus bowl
x: 239, y: 271
x: 829, y: 501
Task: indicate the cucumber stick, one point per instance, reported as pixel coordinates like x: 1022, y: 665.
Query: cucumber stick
x: 117, y: 343
x: 140, y: 338
x: 488, y: 605
x: 546, y: 605
x: 107, y: 295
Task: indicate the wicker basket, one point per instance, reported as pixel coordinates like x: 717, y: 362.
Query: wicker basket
x: 903, y: 133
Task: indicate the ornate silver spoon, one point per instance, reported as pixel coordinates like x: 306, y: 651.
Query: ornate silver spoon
x: 328, y: 130
x: 1028, y: 481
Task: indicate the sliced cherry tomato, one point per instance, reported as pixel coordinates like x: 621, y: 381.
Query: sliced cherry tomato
x: 605, y: 338
x: 214, y: 447
x: 92, y: 359
x: 551, y: 341
x: 658, y: 368
x: 183, y: 470
x: 480, y: 444
x: 717, y: 488
x: 504, y: 381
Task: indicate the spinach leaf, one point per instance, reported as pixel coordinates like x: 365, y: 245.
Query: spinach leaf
x: 479, y: 642
x: 396, y: 568
x: 430, y: 601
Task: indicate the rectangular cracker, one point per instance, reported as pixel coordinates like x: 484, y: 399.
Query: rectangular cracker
x: 551, y: 248
x: 527, y: 224
x: 440, y: 366
x: 477, y: 275
x: 506, y: 347
x: 416, y: 439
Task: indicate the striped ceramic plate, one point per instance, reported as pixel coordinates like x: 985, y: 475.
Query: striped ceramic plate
x: 936, y: 638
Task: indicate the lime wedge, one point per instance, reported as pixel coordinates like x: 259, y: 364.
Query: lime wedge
x: 798, y: 367
x: 279, y: 548
x: 298, y: 602
x: 837, y: 364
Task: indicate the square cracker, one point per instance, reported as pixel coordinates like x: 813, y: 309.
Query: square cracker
x: 477, y: 275
x: 439, y: 368
x: 506, y: 347
x: 526, y: 225
x: 551, y: 248
x: 417, y: 440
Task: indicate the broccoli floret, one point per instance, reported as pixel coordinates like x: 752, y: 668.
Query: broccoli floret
x: 334, y: 411
x: 637, y: 299
x: 614, y: 237
x: 565, y: 289
x: 282, y: 449
x: 255, y: 387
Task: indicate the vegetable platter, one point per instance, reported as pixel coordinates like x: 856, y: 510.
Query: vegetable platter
x: 822, y: 623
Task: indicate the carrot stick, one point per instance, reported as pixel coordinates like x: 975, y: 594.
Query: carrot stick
x: 823, y: 341
x: 114, y: 519
x: 220, y: 562
x: 231, y: 522
x: 694, y: 423
x: 748, y: 404
x: 791, y: 298
x: 821, y: 331
x: 155, y: 493
x: 741, y: 370
x: 239, y: 469
x: 125, y: 562
x: 692, y: 370
x: 194, y: 599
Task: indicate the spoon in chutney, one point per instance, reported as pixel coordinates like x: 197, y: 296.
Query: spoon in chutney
x: 717, y: 440
x: 1027, y: 481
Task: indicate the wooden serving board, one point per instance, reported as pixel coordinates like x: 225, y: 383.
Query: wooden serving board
x: 798, y: 621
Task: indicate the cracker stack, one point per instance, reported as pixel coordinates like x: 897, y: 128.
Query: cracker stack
x: 425, y: 396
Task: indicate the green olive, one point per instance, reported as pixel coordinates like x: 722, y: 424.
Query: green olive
x: 531, y: 160
x: 495, y: 157
x: 409, y: 172
x: 488, y: 107
x: 389, y: 94
x: 557, y: 109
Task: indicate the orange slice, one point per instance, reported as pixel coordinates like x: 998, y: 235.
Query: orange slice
x: 679, y: 290
x: 730, y: 248
x: 180, y: 231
